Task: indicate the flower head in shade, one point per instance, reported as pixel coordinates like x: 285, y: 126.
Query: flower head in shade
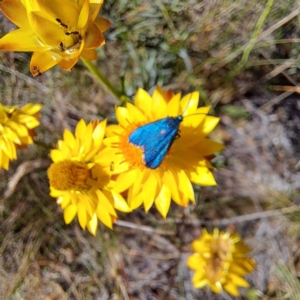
x: 57, y: 32
x: 220, y: 262
x: 156, y: 153
x: 80, y: 180
x: 16, y: 130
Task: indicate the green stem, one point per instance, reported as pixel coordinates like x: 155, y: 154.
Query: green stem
x: 241, y: 64
x: 103, y: 80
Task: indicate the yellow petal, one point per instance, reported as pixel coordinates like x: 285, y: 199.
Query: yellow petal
x: 198, y: 284
x: 19, y: 129
x: 119, y: 165
x: 159, y: 104
x: 70, y: 213
x: 65, y: 199
x: 198, y: 245
x: 9, y: 148
x: 20, y: 40
x: 185, y: 186
x: 240, y: 269
x: 15, y: 11
x: 95, y: 6
x: 86, y: 138
x: 4, y: 160
x: 143, y: 101
x: 190, y: 122
x: 104, y: 204
x: 31, y: 109
x: 84, y: 15
x: 104, y: 216
x: 92, y: 225
x: 169, y: 180
x: 80, y: 129
x: 9, y: 136
x: 202, y: 177
x: 55, y: 193
x: 56, y: 155
x: 209, y: 124
x: 189, y: 103
x: 139, y: 182
x: 209, y: 147
x: 43, y: 61
x: 67, y: 13
x: 135, y: 113
x: 29, y: 121
x: 123, y: 116
x: 82, y: 215
x: 102, y: 24
x: 99, y: 131
x: 114, y: 130
x: 90, y: 54
x: 231, y: 289
x: 88, y: 201
x: 199, y: 279
x: 125, y: 180
x: 94, y: 37
x: 216, y: 287
x: 163, y: 201
x: 105, y: 157
x: 173, y: 106
x: 69, y: 138
x: 194, y: 261
x: 47, y: 29
x: 149, y: 189
x: 237, y: 280
x: 69, y: 64
x: 136, y: 201
x: 119, y: 202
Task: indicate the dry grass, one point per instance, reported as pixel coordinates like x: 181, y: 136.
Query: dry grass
x: 243, y: 57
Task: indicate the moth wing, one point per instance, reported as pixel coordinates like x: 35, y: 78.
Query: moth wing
x: 155, y: 153
x: 155, y: 139
x: 145, y: 134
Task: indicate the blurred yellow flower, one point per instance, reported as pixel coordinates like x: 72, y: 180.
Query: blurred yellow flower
x: 156, y: 161
x: 16, y: 130
x: 220, y: 262
x: 80, y: 180
x: 57, y: 32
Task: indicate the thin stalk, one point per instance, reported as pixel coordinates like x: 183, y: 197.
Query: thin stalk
x: 103, y: 80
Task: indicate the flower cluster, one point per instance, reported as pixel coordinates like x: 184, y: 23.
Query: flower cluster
x: 146, y: 155
x: 80, y: 177
x: 16, y: 130
x: 55, y: 33
x: 220, y: 262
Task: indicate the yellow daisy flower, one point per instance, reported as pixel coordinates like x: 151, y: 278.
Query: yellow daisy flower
x: 220, y: 262
x: 16, y: 130
x: 80, y: 180
x: 57, y: 32
x: 155, y: 162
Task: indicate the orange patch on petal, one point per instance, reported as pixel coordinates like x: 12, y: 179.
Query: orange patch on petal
x: 132, y: 154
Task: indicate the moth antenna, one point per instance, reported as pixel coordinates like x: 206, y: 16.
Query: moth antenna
x: 187, y: 108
